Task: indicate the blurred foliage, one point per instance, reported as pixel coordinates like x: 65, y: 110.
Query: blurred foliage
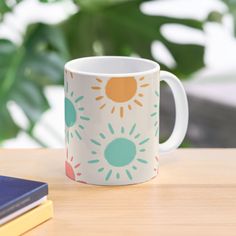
x: 25, y: 71
x: 6, y: 6
x: 101, y: 27
x: 232, y: 10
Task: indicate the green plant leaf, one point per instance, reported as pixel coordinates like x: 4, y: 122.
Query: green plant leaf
x: 101, y: 27
x: 91, y: 5
x: 8, y: 128
x: 122, y: 29
x: 7, y: 6
x: 26, y: 70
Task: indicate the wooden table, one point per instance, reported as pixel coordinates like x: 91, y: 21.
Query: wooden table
x: 194, y: 194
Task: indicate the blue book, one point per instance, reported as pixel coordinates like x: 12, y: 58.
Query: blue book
x: 16, y: 194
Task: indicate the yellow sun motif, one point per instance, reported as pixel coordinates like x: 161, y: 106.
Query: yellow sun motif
x: 120, y: 94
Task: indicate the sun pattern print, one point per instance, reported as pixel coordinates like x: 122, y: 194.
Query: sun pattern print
x: 74, y: 115
x: 154, y: 115
x: 72, y: 170
x: 120, y: 94
x: 156, y: 168
x: 124, y: 152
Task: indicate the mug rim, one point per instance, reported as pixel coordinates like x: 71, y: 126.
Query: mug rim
x: 155, y: 65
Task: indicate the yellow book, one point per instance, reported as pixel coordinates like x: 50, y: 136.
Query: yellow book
x: 28, y: 220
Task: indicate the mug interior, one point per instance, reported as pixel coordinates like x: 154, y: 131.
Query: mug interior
x: 111, y: 65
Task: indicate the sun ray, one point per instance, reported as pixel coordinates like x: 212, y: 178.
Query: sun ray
x: 96, y: 87
x: 71, y: 159
x: 93, y: 161
x: 79, y: 99
x: 71, y: 94
x: 137, y: 136
x: 71, y: 135
x: 93, y: 152
x: 102, y: 106
x: 101, y: 169
x: 78, y: 135
x: 81, y: 126
x: 156, y: 132
x: 81, y: 108
x: 111, y: 129
x: 78, y: 174
x: 130, y: 107
x: 142, y: 150
x: 121, y: 112
x: 156, y: 93
x: 117, y: 175
x: 102, y: 136
x: 99, y: 80
x: 84, y: 118
x: 77, y: 165
x: 144, y: 85
x: 144, y: 141
x: 134, y: 167
x: 132, y: 129
x: 95, y: 142
x: 142, y: 78
x: 128, y: 174
x: 122, y: 129
x: 154, y: 113
x: 155, y: 123
x: 138, y: 102
x: 142, y: 160
x: 113, y: 109
x: 71, y: 75
x: 140, y: 95
x: 108, y: 175
x: 99, y: 98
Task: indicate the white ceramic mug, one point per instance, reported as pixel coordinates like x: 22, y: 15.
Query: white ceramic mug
x: 112, y: 119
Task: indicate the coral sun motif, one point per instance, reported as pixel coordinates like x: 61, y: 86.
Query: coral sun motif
x: 120, y: 94
x: 71, y: 169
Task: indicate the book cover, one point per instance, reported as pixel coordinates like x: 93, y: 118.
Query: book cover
x: 17, y: 193
x: 28, y: 220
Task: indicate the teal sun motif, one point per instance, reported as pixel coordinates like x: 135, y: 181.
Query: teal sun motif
x: 123, y: 152
x: 154, y: 114
x: 74, y: 118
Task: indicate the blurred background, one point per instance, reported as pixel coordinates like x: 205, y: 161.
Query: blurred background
x: 195, y: 39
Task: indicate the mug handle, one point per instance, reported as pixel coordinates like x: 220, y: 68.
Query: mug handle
x: 181, y: 111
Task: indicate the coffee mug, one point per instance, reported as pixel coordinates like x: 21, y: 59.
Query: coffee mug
x: 112, y: 119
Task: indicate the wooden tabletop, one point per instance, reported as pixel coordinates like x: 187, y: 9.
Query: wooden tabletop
x: 194, y: 194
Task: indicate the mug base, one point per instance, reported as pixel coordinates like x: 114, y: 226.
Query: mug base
x: 110, y: 184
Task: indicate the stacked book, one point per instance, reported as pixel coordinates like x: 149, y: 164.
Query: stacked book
x: 23, y: 205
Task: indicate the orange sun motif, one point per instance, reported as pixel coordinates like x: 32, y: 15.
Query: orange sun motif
x: 124, y: 92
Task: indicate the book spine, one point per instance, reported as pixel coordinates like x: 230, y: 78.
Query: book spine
x: 25, y: 200
x: 29, y: 220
